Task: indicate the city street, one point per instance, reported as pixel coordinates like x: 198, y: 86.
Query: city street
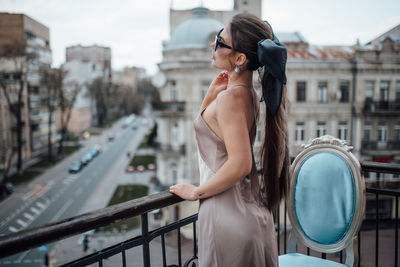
x: 57, y: 194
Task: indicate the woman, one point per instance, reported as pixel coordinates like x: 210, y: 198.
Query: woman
x: 235, y: 220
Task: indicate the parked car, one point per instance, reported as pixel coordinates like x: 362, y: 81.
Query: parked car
x: 75, y: 166
x: 94, y: 151
x: 86, y: 158
x: 6, y: 189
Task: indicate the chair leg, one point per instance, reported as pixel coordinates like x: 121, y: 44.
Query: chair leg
x: 292, y: 243
x: 352, y: 253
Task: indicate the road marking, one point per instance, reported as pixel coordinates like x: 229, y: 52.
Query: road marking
x: 7, y: 262
x: 12, y: 229
x: 62, y: 210
x: 28, y: 216
x: 35, y: 210
x: 22, y: 223
x: 23, y: 256
x: 27, y: 261
x: 40, y: 205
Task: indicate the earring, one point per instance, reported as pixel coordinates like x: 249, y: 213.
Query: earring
x: 237, y: 70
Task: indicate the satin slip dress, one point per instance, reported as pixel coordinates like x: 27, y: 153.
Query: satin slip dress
x: 235, y: 230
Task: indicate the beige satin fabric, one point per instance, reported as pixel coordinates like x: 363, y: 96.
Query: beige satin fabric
x: 235, y: 230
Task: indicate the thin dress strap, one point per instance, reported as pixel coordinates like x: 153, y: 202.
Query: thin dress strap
x: 254, y: 111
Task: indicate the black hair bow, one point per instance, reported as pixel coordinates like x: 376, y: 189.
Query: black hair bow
x: 272, y: 55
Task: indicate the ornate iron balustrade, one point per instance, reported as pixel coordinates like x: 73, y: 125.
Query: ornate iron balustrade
x: 169, y: 106
x: 171, y: 149
x: 44, y: 234
x: 387, y: 108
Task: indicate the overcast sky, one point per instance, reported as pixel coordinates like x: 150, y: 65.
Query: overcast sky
x: 134, y: 29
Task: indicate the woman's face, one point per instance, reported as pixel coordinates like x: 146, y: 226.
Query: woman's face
x: 221, y: 56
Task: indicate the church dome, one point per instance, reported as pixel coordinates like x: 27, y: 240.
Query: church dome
x: 194, y: 32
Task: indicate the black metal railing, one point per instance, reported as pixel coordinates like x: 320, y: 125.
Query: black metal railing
x: 45, y: 234
x: 374, y: 146
x: 367, y: 257
x: 377, y: 108
x: 169, y: 106
x: 171, y: 149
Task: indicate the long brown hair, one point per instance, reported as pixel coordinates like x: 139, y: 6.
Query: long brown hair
x: 246, y: 31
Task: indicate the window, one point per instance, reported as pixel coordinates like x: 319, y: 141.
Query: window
x: 174, y: 173
x: 299, y: 137
x: 344, y: 91
x: 382, y: 132
x: 384, y: 89
x: 342, y: 131
x: 321, y: 129
x: 397, y: 91
x: 397, y: 132
x: 175, y: 137
x: 204, y: 88
x: 369, y: 91
x: 367, y: 131
x: 174, y: 91
x: 322, y: 92
x: 301, y: 91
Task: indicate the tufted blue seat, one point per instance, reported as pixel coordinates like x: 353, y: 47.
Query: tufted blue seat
x: 326, y: 202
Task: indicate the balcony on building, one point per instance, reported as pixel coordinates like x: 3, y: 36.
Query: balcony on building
x: 382, y: 108
x: 171, y: 149
x: 169, y: 108
x: 380, y: 148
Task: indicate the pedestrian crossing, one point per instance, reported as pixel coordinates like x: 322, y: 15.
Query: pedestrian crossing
x: 29, y: 216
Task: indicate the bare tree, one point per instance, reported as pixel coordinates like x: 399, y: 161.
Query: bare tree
x: 7, y: 154
x: 15, y: 59
x: 98, y: 90
x: 52, y: 81
x: 66, y: 98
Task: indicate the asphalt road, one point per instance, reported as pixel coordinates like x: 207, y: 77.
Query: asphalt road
x: 57, y: 194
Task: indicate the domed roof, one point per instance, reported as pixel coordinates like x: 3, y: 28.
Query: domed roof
x: 194, y: 32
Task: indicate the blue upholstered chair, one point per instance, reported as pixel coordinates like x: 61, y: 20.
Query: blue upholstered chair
x: 326, y: 203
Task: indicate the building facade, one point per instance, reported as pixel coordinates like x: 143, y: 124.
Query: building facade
x: 83, y: 65
x: 20, y: 30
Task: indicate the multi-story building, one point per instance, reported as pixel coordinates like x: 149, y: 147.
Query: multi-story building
x: 21, y: 30
x: 83, y: 65
x: 319, y: 90
x: 129, y: 77
x: 377, y: 106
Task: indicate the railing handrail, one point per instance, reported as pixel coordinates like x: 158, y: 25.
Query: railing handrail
x: 47, y: 233
x: 371, y: 166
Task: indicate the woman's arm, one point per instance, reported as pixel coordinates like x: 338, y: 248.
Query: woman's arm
x: 231, y: 117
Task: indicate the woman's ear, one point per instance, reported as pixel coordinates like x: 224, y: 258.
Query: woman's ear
x: 240, y: 59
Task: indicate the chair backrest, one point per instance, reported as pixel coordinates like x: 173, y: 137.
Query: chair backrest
x: 326, y: 201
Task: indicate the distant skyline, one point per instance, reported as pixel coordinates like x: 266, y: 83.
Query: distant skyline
x: 134, y: 30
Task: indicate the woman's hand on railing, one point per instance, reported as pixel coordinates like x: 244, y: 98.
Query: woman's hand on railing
x: 185, y: 191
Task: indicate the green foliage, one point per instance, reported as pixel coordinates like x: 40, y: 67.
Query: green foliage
x: 143, y: 160
x: 122, y: 194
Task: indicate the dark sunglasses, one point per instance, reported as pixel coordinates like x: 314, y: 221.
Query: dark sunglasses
x: 218, y: 43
